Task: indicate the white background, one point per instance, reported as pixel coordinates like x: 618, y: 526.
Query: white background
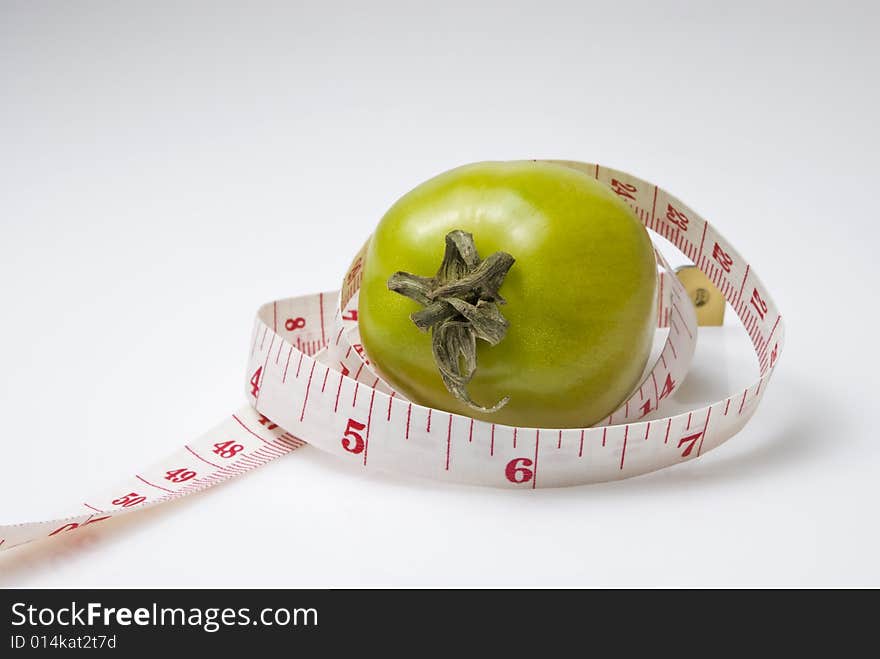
x: 167, y: 167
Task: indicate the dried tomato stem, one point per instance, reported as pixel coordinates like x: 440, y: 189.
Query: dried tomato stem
x: 460, y: 306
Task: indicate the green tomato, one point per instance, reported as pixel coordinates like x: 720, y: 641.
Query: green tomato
x: 580, y: 297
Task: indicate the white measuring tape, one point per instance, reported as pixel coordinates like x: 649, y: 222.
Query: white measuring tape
x: 309, y: 380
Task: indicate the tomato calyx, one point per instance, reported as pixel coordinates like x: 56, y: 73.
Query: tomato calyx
x: 460, y: 306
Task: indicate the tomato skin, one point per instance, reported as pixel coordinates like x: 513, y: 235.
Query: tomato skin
x: 581, y: 297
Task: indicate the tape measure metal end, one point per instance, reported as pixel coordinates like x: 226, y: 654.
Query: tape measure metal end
x: 708, y: 300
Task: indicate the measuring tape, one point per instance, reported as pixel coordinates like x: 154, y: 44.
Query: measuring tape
x: 310, y: 380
